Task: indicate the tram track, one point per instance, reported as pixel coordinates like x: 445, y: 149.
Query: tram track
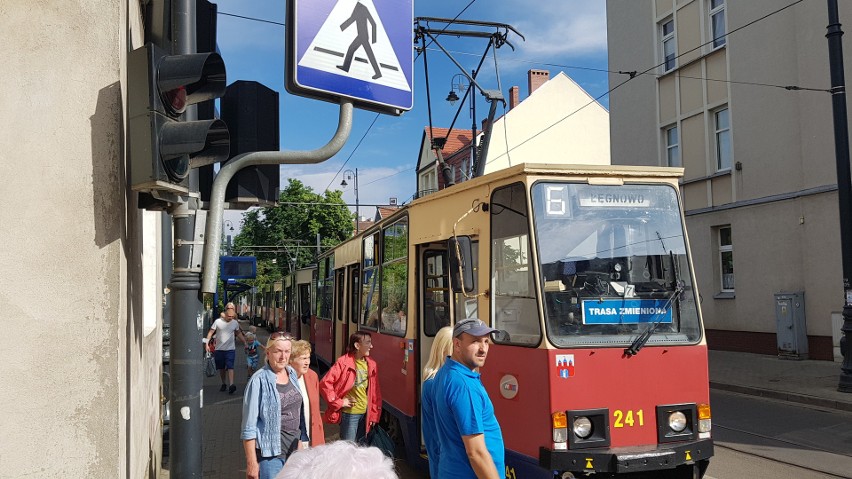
x: 773, y: 457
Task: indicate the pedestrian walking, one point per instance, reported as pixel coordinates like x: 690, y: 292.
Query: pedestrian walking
x: 225, y: 328
x: 252, y: 348
x: 467, y: 430
x: 300, y: 361
x: 351, y: 389
x: 339, y: 460
x: 273, y: 426
x: 442, y: 346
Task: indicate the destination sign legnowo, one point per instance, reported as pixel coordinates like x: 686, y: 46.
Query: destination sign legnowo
x: 614, y: 198
x: 626, y: 311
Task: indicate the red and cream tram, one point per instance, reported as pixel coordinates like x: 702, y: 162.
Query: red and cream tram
x: 600, y: 365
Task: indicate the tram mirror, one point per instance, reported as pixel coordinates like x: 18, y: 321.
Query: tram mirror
x: 500, y: 336
x: 461, y: 274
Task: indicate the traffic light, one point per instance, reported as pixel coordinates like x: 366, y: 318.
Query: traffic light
x: 163, y: 145
x: 251, y: 110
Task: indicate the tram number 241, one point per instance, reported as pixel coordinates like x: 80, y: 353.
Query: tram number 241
x: 628, y: 418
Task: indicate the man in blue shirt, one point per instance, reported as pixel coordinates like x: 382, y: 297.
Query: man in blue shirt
x: 470, y: 437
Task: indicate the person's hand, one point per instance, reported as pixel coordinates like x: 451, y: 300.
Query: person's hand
x: 252, y: 470
x: 346, y: 402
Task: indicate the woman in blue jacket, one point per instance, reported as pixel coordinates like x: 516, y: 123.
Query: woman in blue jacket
x: 273, y: 425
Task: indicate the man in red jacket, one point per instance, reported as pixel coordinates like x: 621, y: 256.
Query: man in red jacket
x: 351, y: 389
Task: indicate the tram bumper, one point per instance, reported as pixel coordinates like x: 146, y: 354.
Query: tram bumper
x: 628, y: 459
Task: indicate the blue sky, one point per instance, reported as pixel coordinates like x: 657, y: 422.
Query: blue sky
x: 566, y: 35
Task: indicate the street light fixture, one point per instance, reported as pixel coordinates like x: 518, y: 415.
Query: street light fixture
x: 460, y: 83
x: 349, y: 174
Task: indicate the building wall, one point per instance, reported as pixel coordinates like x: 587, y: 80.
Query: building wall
x: 82, y: 368
x: 577, y: 132
x: 779, y: 197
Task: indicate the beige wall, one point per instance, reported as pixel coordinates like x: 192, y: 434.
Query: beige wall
x: 559, y: 123
x: 782, y: 139
x: 82, y: 370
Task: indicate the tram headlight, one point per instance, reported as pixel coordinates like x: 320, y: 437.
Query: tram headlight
x: 582, y: 427
x: 677, y: 421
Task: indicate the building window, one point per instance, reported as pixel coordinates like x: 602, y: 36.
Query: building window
x: 667, y: 34
x: 717, y: 22
x: 726, y: 259
x: 672, y: 147
x: 722, y: 123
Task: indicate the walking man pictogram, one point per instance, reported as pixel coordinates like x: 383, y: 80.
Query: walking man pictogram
x: 360, y: 16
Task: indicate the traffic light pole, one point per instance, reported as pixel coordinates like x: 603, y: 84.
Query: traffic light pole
x: 844, y: 185
x: 185, y: 436
x: 213, y: 229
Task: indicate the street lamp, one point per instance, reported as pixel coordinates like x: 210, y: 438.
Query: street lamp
x: 228, y: 224
x: 460, y: 83
x: 349, y: 175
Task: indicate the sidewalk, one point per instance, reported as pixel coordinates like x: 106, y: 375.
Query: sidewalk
x: 222, y: 450
x: 805, y: 382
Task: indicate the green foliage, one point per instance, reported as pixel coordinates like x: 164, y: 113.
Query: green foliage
x: 294, y: 223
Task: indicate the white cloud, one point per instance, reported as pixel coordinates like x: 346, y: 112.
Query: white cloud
x: 576, y: 28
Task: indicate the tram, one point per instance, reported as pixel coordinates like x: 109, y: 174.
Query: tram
x: 600, y: 362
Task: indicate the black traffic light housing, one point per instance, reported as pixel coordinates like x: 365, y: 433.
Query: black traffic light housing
x: 163, y: 146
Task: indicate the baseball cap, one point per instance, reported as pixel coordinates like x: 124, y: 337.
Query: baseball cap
x: 472, y: 326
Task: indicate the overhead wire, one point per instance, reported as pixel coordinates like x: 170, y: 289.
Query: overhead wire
x: 353, y: 151
x: 254, y: 19
x: 634, y: 74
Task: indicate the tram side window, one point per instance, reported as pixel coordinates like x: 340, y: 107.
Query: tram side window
x: 325, y: 288
x: 370, y: 285
x: 436, y: 291
x: 394, y: 293
x: 514, y: 305
x: 466, y: 306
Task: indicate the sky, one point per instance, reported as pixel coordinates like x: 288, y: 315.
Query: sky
x: 565, y: 35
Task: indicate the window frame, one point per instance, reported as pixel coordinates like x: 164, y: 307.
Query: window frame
x: 672, y: 147
x: 665, y: 38
x: 723, y: 249
x: 714, y: 13
x: 719, y: 133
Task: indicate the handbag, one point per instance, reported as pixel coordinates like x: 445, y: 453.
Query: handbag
x: 378, y: 437
x: 209, y: 365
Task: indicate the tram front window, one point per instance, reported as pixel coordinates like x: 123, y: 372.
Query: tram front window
x: 613, y: 264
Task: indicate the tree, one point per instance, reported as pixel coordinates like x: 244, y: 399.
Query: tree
x: 279, y: 234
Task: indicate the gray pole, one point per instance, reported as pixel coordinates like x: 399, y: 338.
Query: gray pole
x: 185, y: 436
x: 844, y: 183
x: 210, y: 267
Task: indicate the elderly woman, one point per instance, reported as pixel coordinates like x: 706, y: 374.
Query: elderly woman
x: 300, y: 361
x: 273, y: 425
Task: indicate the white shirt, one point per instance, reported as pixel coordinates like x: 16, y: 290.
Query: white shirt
x: 307, y: 403
x: 225, y: 333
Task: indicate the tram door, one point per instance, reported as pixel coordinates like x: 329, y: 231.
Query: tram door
x: 339, y: 314
x: 303, y: 311
x: 353, y: 300
x: 434, y: 308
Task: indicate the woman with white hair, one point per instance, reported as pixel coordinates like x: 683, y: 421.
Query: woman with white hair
x: 273, y: 425
x: 339, y: 460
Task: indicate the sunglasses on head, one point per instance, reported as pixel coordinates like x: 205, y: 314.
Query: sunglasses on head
x: 279, y: 335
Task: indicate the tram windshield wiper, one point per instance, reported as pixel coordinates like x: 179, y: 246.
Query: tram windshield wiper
x: 643, y: 338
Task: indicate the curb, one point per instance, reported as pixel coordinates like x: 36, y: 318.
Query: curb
x: 784, y: 396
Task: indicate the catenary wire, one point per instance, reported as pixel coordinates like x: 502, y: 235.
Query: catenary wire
x: 353, y: 151
x: 250, y: 18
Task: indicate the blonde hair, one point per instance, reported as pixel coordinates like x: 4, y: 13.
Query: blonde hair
x: 299, y: 348
x: 442, y: 346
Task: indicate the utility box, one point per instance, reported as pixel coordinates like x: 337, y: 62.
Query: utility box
x: 791, y: 327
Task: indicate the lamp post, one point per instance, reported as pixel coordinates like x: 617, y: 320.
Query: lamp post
x: 460, y: 83
x: 349, y: 174
x: 228, y: 224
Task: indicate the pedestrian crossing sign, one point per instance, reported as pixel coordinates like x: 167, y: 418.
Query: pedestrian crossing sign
x: 357, y: 49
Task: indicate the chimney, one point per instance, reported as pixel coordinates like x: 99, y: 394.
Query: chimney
x: 537, y: 78
x: 514, y: 97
